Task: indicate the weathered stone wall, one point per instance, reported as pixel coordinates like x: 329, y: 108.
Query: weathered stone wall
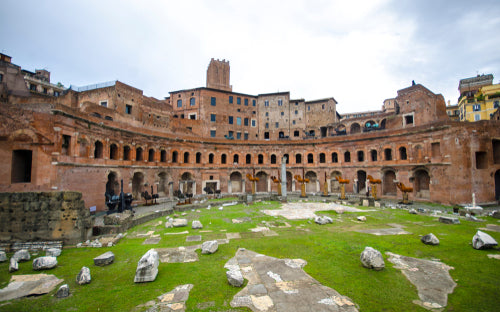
x: 44, y: 216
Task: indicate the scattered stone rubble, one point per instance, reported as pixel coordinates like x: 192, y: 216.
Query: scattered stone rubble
x: 147, y: 267
x: 27, y: 285
x: 209, y: 247
x: 174, y: 300
x: 104, y: 259
x: 84, y: 276
x: 372, y: 259
x: 430, y: 239
x: 44, y: 263
x: 483, y: 241
x: 63, y: 291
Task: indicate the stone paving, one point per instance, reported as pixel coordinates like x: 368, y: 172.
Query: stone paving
x: 432, y: 279
x: 174, y: 300
x: 281, y: 285
x: 301, y: 211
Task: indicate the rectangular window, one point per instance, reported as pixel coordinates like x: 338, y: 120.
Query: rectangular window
x: 238, y: 100
x: 192, y: 101
x: 481, y: 160
x: 230, y: 134
x: 296, y: 112
x: 477, y: 117
x: 56, y: 93
x: 212, y: 101
x: 230, y: 120
x: 476, y: 107
x: 277, y: 125
x: 436, y: 149
x: 104, y: 103
x: 267, y: 125
x: 128, y: 109
x: 496, y: 104
x: 212, y: 117
x: 245, y: 122
x: 266, y: 103
x: 282, y: 113
x: 238, y: 121
x: 246, y: 102
x: 254, y: 123
x: 293, y: 122
x: 230, y: 99
x: 253, y: 103
x: 212, y: 133
x: 21, y: 166
x: 267, y: 114
x: 280, y: 102
x: 238, y: 135
x: 179, y: 103
x: 245, y: 136
x: 309, y: 107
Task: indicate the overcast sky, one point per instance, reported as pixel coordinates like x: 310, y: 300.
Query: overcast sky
x: 359, y: 52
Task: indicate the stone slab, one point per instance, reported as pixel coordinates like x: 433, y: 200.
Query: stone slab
x: 233, y: 235
x: 27, y: 285
x: 491, y: 227
x: 275, y: 285
x: 388, y: 231
x: 193, y: 238
x: 178, y: 255
x: 152, y: 241
x: 303, y: 211
x: 432, y: 279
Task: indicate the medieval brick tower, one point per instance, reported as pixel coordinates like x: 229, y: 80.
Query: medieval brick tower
x: 218, y: 75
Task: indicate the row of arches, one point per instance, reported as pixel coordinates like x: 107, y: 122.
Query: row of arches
x: 235, y: 183
x: 151, y: 155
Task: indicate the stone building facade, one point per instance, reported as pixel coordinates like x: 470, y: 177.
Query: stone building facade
x: 73, y: 142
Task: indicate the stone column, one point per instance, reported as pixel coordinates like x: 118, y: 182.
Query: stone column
x: 194, y: 188
x: 229, y: 186
x: 283, y: 177
x: 243, y: 186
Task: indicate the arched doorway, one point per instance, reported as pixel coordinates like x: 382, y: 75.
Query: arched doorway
x: 235, y: 178
x: 163, y: 184
x: 389, y: 187
x: 186, y: 183
x: 422, y: 181
x: 334, y: 184
x: 112, y: 186
x: 355, y: 128
x: 312, y: 185
x: 289, y: 181
x: 137, y: 184
x: 497, y: 185
x: 262, y: 183
x: 361, y: 181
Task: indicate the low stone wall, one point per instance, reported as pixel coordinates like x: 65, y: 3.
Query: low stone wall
x: 44, y: 216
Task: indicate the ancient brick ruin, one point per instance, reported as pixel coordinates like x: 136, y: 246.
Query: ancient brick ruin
x: 210, y: 138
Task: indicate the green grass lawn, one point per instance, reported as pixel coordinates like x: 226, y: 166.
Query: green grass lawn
x: 332, y: 252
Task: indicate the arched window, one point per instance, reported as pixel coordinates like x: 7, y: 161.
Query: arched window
x: 248, y: 159
x: 113, y: 151
x: 298, y: 158
x: 322, y: 158
x: 126, y: 152
x: 388, y: 154
x: 261, y: 159
x: 223, y: 158
x: 138, y: 154
x: 273, y: 159
x: 373, y: 154
x: 198, y: 157
x: 211, y: 158
x: 361, y: 156
x: 287, y: 158
x: 347, y: 156
x: 151, y: 155
x: 402, y: 153
x: 186, y: 157
x: 310, y: 158
x: 98, y: 148
x: 236, y: 159
x: 163, y: 156
x: 335, y: 158
x: 174, y: 156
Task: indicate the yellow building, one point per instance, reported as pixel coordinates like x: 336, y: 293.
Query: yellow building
x: 481, y: 102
